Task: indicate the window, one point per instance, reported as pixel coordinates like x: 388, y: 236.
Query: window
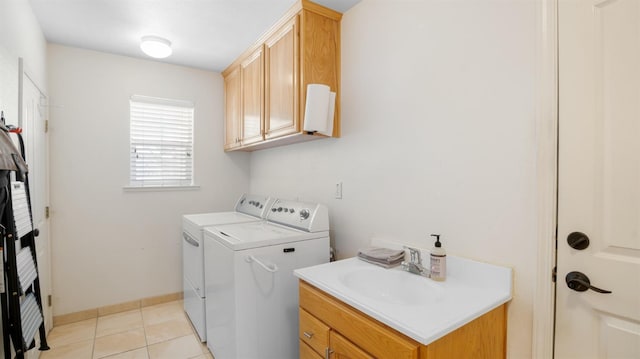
x: 161, y: 136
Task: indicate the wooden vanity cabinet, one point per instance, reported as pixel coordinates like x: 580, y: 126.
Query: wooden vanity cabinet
x: 302, y: 48
x: 327, y: 323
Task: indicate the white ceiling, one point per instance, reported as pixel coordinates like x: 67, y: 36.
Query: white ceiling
x: 206, y: 34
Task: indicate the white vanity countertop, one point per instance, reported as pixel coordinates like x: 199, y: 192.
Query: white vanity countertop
x: 418, y: 307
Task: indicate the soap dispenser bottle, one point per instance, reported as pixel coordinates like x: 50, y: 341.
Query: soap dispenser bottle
x: 438, y: 261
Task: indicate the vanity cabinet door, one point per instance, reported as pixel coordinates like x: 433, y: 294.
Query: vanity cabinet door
x: 307, y: 353
x: 341, y: 348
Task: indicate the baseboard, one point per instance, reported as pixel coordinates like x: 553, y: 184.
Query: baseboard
x: 115, y: 308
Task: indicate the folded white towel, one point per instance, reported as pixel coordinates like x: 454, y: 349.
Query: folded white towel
x: 381, y: 264
x: 383, y: 257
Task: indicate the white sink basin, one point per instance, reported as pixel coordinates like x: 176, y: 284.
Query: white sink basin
x: 392, y: 286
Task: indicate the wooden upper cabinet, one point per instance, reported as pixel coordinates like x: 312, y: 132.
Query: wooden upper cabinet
x: 252, y: 98
x: 281, y: 81
x: 320, y: 57
x: 233, y: 108
x: 302, y: 48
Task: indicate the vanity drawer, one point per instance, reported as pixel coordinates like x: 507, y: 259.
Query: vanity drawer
x: 380, y: 340
x: 307, y: 353
x: 313, y: 332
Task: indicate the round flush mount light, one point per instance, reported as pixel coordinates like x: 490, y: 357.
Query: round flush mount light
x: 156, y: 47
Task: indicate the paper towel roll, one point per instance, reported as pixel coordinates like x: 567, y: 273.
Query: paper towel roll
x: 319, y: 109
x: 330, y: 113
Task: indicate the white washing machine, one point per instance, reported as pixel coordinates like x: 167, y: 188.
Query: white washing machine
x: 249, y: 208
x: 252, y: 300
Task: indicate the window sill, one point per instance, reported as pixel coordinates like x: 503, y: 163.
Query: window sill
x: 160, y: 188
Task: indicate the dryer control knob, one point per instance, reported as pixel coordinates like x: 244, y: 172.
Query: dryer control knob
x: 304, y: 214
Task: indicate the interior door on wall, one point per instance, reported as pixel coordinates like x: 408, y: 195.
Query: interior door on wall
x: 35, y: 138
x: 599, y: 179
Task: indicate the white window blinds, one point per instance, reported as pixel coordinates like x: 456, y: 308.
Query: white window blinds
x: 161, y: 136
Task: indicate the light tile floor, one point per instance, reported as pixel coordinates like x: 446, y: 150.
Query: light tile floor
x: 157, y: 332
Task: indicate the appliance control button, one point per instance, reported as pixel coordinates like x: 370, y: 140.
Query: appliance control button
x: 304, y: 214
x: 279, y: 209
x: 291, y: 210
x: 273, y: 209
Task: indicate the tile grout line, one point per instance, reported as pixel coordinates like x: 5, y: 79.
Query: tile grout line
x: 144, y: 331
x: 95, y: 334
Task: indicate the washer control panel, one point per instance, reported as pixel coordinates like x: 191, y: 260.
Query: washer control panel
x: 306, y: 216
x: 285, y: 210
x: 254, y: 205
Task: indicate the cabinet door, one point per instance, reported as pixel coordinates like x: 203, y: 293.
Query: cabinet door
x: 341, y: 348
x: 233, y: 109
x: 307, y: 353
x: 320, y: 57
x: 281, y: 81
x: 252, y: 98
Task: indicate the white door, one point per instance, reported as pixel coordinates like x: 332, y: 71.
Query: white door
x: 36, y: 144
x: 599, y: 178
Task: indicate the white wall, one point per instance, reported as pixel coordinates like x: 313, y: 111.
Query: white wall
x: 112, y: 246
x: 438, y: 137
x: 20, y: 35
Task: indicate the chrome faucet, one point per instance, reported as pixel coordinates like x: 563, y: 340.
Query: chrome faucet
x: 415, y: 264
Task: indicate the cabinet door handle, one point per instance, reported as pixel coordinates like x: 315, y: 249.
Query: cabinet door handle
x: 327, y: 353
x: 308, y: 335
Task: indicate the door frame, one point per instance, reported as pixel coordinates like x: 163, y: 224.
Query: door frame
x: 546, y: 118
x: 23, y: 71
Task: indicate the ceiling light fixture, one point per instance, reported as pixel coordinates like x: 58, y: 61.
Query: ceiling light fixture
x: 156, y: 47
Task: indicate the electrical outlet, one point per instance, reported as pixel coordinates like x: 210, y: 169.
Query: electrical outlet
x: 338, y: 193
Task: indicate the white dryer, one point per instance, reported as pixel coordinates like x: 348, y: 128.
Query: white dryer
x: 249, y: 208
x: 252, y: 300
